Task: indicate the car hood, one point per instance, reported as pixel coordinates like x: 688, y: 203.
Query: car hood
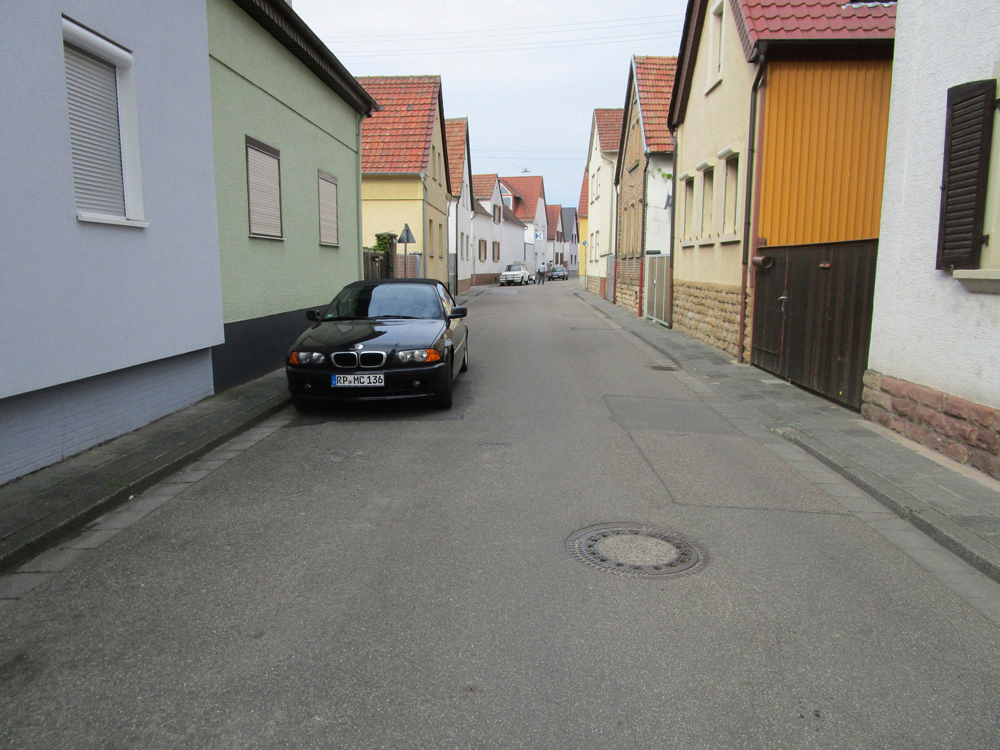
x: 384, y: 335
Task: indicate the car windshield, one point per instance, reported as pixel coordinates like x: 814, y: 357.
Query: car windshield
x: 512, y: 268
x: 385, y: 301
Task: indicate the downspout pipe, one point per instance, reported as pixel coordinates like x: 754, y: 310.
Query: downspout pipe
x: 748, y: 206
x: 423, y: 228
x: 673, y: 224
x: 642, y: 237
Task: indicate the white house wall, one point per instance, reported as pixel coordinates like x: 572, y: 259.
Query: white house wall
x: 83, y: 301
x: 658, y: 216
x: 927, y: 328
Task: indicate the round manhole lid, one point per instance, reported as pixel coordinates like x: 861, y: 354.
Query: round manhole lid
x: 637, y: 550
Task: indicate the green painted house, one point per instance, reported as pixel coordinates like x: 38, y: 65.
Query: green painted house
x: 286, y: 122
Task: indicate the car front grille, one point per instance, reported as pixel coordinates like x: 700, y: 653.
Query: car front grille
x: 345, y: 359
x: 372, y: 359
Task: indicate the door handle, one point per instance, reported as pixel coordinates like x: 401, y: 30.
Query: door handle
x: 782, y: 299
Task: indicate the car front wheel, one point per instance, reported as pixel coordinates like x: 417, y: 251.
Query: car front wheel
x: 444, y: 398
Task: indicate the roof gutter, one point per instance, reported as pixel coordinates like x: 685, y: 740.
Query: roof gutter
x: 749, y: 203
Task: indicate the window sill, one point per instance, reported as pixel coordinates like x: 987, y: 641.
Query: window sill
x: 330, y: 244
x: 713, y: 85
x: 687, y: 243
x: 727, y: 238
x: 120, y: 221
x: 706, y: 241
x: 980, y: 280
x: 267, y: 237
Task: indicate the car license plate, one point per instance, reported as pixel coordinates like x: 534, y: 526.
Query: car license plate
x: 367, y: 380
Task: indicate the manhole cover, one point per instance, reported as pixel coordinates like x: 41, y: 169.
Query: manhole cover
x: 637, y: 550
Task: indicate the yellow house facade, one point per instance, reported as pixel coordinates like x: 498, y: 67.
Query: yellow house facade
x: 404, y: 177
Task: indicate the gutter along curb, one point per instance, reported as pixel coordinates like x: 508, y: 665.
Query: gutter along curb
x: 957, y: 539
x: 954, y: 537
x: 36, y: 536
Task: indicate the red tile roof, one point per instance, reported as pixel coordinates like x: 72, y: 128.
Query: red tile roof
x: 530, y: 189
x: 482, y: 185
x: 654, y: 80
x: 807, y: 20
x: 552, y: 214
x: 584, y: 206
x: 511, y: 217
x: 609, y: 128
x: 456, y: 132
x: 398, y: 139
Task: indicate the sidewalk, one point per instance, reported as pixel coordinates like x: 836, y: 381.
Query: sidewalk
x: 38, y: 509
x: 951, y: 504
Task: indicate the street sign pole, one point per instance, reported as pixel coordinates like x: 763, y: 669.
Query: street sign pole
x: 406, y: 237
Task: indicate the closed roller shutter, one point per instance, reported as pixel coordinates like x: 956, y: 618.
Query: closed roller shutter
x: 264, y: 189
x: 95, y: 139
x: 329, y: 231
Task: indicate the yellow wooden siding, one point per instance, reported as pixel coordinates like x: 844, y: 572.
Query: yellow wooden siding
x: 823, y: 159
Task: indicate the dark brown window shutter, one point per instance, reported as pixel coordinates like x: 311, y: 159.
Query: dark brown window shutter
x: 968, y: 136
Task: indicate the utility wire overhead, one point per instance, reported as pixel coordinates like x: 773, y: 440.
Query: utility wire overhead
x: 554, y: 28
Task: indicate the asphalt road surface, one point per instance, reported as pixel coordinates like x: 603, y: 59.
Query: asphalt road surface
x: 399, y: 578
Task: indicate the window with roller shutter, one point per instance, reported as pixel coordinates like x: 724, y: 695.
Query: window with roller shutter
x: 328, y: 229
x: 968, y: 138
x: 264, y: 189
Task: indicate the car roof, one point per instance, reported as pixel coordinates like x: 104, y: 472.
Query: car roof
x: 379, y: 282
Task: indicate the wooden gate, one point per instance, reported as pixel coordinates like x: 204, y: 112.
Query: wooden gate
x: 812, y: 316
x: 657, y: 292
x: 377, y: 265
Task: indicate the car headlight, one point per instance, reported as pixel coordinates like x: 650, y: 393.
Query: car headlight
x: 418, y: 356
x: 306, y: 358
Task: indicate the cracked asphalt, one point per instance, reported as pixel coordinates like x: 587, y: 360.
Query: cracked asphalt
x: 397, y: 577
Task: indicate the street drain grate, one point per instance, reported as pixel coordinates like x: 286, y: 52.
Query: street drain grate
x: 637, y: 550
x: 665, y: 368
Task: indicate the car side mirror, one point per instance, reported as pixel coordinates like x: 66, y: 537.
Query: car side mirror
x: 458, y: 312
x: 312, y: 314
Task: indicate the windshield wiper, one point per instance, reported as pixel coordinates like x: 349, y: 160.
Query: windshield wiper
x: 346, y: 317
x: 402, y: 317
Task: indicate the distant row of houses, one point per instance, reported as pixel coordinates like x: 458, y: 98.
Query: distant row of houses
x: 182, y: 181
x: 810, y: 186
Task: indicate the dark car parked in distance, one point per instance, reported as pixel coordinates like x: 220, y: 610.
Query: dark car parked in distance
x: 380, y: 340
x: 558, y: 272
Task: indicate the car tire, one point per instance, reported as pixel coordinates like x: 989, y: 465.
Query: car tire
x: 465, y: 357
x: 444, y: 398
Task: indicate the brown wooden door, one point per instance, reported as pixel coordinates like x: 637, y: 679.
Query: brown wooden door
x: 812, y: 316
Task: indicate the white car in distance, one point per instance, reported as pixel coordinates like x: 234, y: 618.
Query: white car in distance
x: 514, y: 273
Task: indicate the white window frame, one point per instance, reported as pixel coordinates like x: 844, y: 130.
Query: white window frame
x: 89, y: 41
x: 716, y: 39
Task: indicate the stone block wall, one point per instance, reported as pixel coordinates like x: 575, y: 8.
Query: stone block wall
x: 628, y: 293
x: 596, y: 285
x: 711, y: 313
x: 964, y: 431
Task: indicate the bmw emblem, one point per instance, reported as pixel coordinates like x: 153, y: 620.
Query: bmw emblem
x: 358, y: 346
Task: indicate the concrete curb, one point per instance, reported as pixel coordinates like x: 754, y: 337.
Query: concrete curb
x: 946, y: 532
x: 36, y: 537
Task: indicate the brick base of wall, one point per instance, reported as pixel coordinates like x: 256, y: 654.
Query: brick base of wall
x: 966, y: 432
x: 597, y: 285
x: 628, y: 293
x: 464, y: 285
x: 711, y: 313
x: 481, y: 279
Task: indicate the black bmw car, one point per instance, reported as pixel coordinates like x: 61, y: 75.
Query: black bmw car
x: 381, y: 340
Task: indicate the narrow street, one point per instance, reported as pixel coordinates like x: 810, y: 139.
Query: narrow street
x: 398, y: 577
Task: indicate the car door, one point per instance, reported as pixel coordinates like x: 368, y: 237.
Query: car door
x: 458, y: 330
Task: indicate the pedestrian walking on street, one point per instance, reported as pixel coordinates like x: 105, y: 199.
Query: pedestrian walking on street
x: 540, y: 273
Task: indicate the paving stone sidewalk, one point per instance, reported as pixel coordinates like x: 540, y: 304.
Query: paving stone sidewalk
x: 40, y: 508
x: 952, y: 505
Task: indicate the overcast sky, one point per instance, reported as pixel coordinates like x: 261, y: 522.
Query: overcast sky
x: 527, y: 73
